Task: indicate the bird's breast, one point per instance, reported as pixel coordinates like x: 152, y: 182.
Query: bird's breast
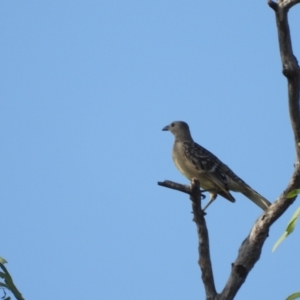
x: 184, y: 165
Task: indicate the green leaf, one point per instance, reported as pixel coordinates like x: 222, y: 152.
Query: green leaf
x: 293, y: 193
x: 2, y: 260
x: 290, y: 228
x: 279, y: 241
x: 3, y: 285
x: 293, y: 296
x: 10, y: 284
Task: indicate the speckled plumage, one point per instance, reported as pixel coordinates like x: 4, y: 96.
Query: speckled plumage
x: 193, y: 160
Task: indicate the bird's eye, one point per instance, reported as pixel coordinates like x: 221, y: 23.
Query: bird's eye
x: 172, y: 125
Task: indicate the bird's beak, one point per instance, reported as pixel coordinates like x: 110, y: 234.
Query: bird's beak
x: 166, y: 128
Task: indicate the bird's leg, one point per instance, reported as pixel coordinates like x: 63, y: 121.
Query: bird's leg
x: 213, y: 197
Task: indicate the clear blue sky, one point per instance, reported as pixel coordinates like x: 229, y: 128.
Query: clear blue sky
x: 86, y: 87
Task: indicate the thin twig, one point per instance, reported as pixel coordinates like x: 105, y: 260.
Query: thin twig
x: 175, y: 186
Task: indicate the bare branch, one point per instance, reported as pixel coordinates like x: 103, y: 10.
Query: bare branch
x: 273, y: 5
x: 287, y: 4
x: 176, y: 186
x: 283, y: 4
x: 250, y: 249
x: 203, y: 241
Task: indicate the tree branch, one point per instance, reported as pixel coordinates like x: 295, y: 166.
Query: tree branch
x: 287, y: 4
x: 250, y: 249
x: 203, y: 241
x: 176, y: 186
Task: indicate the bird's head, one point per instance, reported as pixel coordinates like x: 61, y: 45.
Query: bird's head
x: 180, y: 129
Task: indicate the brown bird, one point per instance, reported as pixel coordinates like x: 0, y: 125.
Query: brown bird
x: 192, y: 160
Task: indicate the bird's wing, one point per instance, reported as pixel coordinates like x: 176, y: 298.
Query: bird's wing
x: 209, y: 165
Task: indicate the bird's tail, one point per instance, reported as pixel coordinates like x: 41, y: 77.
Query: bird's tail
x: 256, y: 198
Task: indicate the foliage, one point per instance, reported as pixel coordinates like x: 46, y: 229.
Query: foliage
x: 8, y: 283
x: 289, y: 229
x: 293, y: 296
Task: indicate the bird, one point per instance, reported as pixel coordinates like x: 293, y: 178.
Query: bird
x: 194, y: 161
